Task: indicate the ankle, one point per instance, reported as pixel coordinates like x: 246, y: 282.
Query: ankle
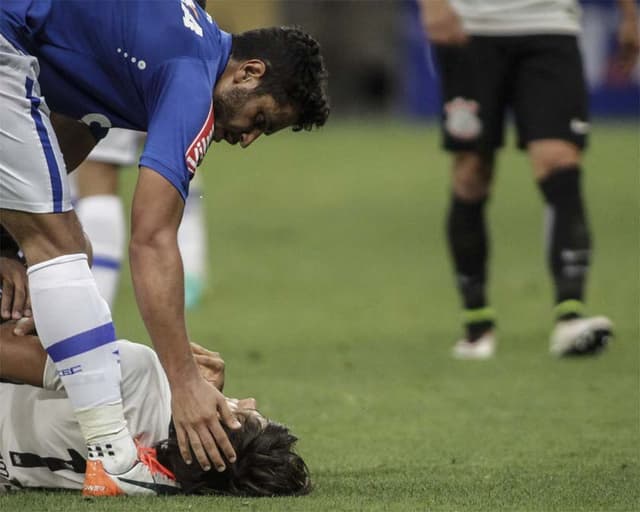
x: 475, y: 331
x: 117, y: 455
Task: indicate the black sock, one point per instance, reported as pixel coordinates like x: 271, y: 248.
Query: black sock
x: 568, y: 239
x: 469, y: 247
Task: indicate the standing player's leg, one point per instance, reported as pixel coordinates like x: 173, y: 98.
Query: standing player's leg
x: 468, y: 240
x: 99, y: 206
x: 100, y: 211
x: 472, y: 82
x: 192, y: 241
x: 551, y: 112
x: 36, y: 210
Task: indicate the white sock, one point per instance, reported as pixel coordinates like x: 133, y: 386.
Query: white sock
x: 103, y: 220
x: 118, y: 453
x: 75, y: 327
x: 192, y: 240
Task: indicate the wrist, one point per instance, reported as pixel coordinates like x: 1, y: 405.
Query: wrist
x: 180, y: 370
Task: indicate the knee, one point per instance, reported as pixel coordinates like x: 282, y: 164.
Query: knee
x: 472, y: 176
x: 550, y: 156
x: 42, y: 237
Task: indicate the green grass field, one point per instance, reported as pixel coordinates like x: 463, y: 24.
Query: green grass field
x: 332, y: 302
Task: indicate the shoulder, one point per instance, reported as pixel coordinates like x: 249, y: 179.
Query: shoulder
x: 138, y: 351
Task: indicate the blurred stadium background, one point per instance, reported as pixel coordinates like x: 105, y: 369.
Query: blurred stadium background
x: 380, y: 63
x: 332, y: 299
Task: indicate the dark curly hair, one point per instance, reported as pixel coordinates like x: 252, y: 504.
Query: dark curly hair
x: 266, y: 464
x: 296, y: 74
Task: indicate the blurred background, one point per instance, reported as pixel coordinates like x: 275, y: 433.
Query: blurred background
x: 380, y: 63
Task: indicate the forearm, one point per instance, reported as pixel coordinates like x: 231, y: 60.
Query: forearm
x: 22, y: 358
x: 156, y: 267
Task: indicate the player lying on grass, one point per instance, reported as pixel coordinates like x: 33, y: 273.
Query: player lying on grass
x: 41, y: 445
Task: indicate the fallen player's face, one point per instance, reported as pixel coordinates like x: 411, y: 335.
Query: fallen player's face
x: 241, y: 116
x: 245, y: 408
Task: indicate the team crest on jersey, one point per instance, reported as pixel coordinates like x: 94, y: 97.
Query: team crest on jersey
x: 198, y: 147
x: 579, y: 127
x: 461, y: 118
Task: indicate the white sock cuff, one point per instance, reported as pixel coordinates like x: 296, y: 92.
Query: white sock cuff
x: 102, y: 423
x: 100, y: 200
x: 59, y: 260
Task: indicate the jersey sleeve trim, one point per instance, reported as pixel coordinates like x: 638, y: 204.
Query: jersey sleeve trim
x: 196, y: 151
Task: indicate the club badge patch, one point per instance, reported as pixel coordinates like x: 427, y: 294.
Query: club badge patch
x: 579, y: 127
x: 461, y: 119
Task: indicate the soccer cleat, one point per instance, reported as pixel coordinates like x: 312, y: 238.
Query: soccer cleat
x: 147, y: 477
x: 482, y: 348
x: 581, y: 336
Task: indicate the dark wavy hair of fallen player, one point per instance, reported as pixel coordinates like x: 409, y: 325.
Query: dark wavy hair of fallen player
x: 295, y: 74
x: 266, y: 464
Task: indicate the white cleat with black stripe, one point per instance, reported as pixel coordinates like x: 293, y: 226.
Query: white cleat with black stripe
x: 581, y: 336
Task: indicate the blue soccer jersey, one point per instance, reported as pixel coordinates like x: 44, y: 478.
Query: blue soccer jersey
x: 146, y: 65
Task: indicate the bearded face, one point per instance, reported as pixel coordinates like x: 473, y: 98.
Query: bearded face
x: 242, y: 115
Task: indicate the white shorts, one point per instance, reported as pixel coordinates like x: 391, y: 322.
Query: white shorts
x: 120, y: 147
x: 33, y: 177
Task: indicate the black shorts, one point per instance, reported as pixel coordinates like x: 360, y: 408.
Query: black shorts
x: 538, y: 78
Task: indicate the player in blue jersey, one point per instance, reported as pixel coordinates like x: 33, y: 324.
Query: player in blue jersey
x: 70, y: 71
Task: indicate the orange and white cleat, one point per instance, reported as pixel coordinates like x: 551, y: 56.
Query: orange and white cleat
x: 147, y: 477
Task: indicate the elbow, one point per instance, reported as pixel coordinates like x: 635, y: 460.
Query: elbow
x: 144, y: 242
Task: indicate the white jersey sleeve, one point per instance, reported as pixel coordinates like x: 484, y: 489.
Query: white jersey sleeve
x: 40, y: 442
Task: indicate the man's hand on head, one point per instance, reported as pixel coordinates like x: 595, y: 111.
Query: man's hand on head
x: 199, y: 410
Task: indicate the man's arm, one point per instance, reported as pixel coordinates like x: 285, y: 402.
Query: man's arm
x: 441, y: 22
x: 628, y: 37
x: 156, y: 267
